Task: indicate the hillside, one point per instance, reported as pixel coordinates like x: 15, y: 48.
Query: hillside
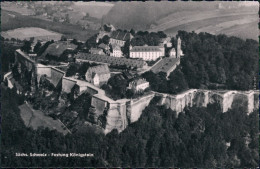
x: 231, y: 18
x: 94, y: 9
x: 12, y: 20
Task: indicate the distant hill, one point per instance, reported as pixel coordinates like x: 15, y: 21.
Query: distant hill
x: 94, y: 9
x: 231, y: 18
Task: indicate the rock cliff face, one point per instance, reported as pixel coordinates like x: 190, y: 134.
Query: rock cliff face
x: 201, y: 98
x: 120, y: 113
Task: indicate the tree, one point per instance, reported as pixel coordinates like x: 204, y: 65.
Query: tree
x: 132, y: 31
x: 125, y: 48
x: 67, y: 18
x: 26, y: 47
x: 31, y: 39
x: 13, y: 40
x: 83, y: 69
x: 129, y: 93
x: 105, y: 40
x: 44, y: 47
x: 63, y: 38
x: 37, y: 47
x: 162, y: 34
x: 72, y: 70
x: 107, y: 28
x: 177, y: 82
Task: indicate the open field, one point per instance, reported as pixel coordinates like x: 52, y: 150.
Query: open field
x: 215, y: 22
x: 12, y: 20
x: 35, y: 118
x: 94, y: 9
x: 230, y: 18
x: 27, y: 33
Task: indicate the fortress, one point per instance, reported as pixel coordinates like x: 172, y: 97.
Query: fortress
x: 111, y: 114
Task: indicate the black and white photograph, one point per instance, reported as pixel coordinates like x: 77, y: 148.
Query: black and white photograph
x: 162, y: 84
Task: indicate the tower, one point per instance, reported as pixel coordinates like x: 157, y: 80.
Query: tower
x: 179, y: 51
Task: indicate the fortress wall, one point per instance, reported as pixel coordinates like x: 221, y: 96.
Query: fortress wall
x: 179, y: 102
x: 82, y: 89
x: 67, y: 85
x: 201, y: 98
x: 44, y: 71
x: 215, y: 98
x: 256, y: 100
x: 121, y: 113
x: 138, y: 106
x: 91, y: 91
x: 240, y: 99
x: 24, y: 60
x: 56, y: 76
x: 114, y: 120
x: 251, y: 106
x: 122, y: 110
x: 228, y: 98
x: 99, y: 105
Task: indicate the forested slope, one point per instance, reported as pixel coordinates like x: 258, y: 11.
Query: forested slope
x: 201, y: 137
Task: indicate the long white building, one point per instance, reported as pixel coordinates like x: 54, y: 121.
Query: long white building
x: 147, y: 52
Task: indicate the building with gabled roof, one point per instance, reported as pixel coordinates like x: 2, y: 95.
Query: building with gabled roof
x: 114, y: 61
x: 147, y: 52
x: 172, y: 53
x: 166, y: 65
x: 138, y: 85
x: 117, y: 52
x: 119, y: 38
x: 98, y: 75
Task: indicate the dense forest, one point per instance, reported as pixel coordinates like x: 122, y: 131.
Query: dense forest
x: 211, y: 62
x: 220, y: 60
x: 201, y: 137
